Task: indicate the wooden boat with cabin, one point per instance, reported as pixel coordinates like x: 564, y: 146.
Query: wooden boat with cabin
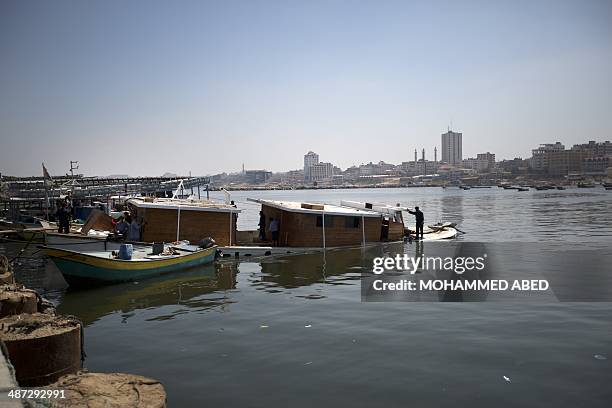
x: 169, y: 220
x: 316, y: 225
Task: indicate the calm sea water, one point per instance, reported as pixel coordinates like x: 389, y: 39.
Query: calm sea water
x: 293, y: 332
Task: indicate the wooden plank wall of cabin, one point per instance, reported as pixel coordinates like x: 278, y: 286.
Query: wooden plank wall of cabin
x: 195, y: 225
x: 396, y: 231
x: 336, y: 231
x: 300, y: 230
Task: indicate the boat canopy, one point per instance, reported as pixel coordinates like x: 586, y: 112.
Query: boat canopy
x: 183, y: 204
x: 315, y: 208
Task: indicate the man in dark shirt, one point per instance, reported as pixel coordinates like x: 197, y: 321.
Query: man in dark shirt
x: 262, y: 226
x: 420, y: 220
x: 63, y: 219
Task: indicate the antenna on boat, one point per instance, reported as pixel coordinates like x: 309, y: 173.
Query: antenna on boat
x: 227, y: 196
x: 179, y: 187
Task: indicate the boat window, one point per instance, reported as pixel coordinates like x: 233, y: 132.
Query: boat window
x: 351, y: 222
x: 329, y: 221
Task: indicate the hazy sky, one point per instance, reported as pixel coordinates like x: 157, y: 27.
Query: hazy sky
x: 144, y: 87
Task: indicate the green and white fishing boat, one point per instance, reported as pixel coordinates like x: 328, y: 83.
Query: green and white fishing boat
x: 87, y: 267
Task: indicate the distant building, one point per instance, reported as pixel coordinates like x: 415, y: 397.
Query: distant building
x: 563, y: 162
x: 596, y: 166
x: 257, y: 176
x: 539, y: 156
x: 514, y: 166
x: 452, y: 148
x: 310, y: 159
x: 594, y: 149
x: 470, y: 163
x: 293, y: 176
x: 485, y: 161
x: 321, y: 171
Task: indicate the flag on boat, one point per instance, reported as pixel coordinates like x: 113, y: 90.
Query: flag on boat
x: 46, y: 174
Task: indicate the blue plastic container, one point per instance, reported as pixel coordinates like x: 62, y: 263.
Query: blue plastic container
x: 125, y: 252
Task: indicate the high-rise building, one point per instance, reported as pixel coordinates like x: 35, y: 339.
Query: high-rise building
x: 451, y: 148
x: 310, y: 159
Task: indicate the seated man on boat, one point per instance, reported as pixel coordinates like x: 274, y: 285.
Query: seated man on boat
x: 420, y: 221
x: 122, y: 227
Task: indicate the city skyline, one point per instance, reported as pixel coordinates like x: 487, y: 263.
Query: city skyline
x: 144, y: 88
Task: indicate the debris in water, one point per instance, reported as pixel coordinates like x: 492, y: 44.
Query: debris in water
x: 507, y: 379
x: 308, y: 363
x: 599, y: 357
x: 308, y: 325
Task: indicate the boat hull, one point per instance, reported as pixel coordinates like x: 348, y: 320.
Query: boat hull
x: 78, y: 268
x: 77, y: 242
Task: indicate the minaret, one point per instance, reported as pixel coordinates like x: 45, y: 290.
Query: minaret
x: 424, y: 164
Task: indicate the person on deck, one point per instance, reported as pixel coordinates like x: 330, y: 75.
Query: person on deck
x: 122, y: 227
x: 420, y: 220
x: 262, y: 226
x: 133, y: 234
x: 274, y: 229
x: 63, y: 218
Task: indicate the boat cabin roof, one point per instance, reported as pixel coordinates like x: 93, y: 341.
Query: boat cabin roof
x: 184, y: 204
x: 315, y: 208
x: 376, y: 207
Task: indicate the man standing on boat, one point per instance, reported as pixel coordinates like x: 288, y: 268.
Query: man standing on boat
x: 134, y: 230
x: 420, y: 220
x: 262, y: 226
x: 63, y: 218
x: 274, y: 229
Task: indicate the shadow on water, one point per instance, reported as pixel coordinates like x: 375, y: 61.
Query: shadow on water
x: 199, y: 288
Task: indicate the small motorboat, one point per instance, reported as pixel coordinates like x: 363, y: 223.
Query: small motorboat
x: 79, y: 267
x: 522, y: 189
x: 435, y: 232
x: 560, y: 188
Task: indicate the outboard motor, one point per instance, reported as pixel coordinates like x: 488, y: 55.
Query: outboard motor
x: 207, y: 242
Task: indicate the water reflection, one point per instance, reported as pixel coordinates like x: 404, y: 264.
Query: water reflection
x: 451, y: 206
x: 199, y: 289
x: 336, y: 267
